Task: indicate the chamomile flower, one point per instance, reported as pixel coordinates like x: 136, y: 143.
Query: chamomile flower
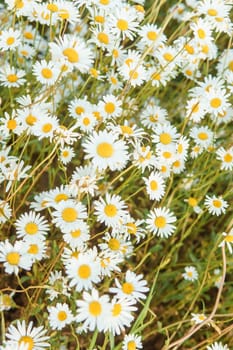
x: 105, y: 150
x: 11, y: 77
x: 32, y: 337
x: 79, y: 236
x: 218, y: 346
x: 73, y: 51
x: 160, y: 222
x: 36, y: 248
x: 45, y: 72
x: 67, y: 214
x: 45, y: 127
x: 216, y: 101
x: 165, y: 135
x: 110, y: 210
x: 66, y: 154
x: 110, y: 107
x: 123, y: 23
x: 134, y: 287
x: 14, y: 257
x: 84, y: 180
x: 132, y: 341
x: 228, y: 240
x: 152, y: 115
x: 216, y: 205
x: 56, y: 195
x: 155, y: 186
x: 202, y: 136
x: 151, y: 35
x: 93, y: 310
x: 109, y: 262
x: 202, y: 30
x: 67, y: 11
x: 120, y: 315
x: 117, y: 244
x: 10, y: 39
x: 133, y: 73
x: 190, y: 273
x: 226, y: 158
x: 79, y: 106
x: 31, y: 225
x: 195, y: 109
x: 59, y: 316
x: 198, y: 318
x: 83, y: 271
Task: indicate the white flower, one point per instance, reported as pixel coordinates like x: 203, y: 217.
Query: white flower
x: 216, y: 205
x: 190, y: 273
x: 59, y: 316
x: 160, y: 222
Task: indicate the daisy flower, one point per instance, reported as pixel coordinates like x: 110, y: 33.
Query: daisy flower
x: 110, y: 210
x: 93, y: 310
x: 84, y: 180
x: 10, y: 77
x: 120, y: 315
x: 216, y: 101
x: 32, y: 337
x: 202, y: 136
x: 155, y: 186
x: 59, y: 316
x: 105, y: 151
x: 122, y: 23
x: 165, y: 135
x: 55, y: 196
x: 151, y: 35
x: 83, y: 271
x: 110, y: 107
x: 79, y: 236
x: 67, y: 11
x: 132, y: 341
x: 217, y: 346
x: 226, y: 158
x: 109, y: 262
x: 152, y: 115
x: 198, y: 318
x: 14, y: 256
x: 66, y: 154
x: 215, y: 205
x: 160, y: 222
x: 195, y: 109
x: 36, y: 249
x: 45, y: 127
x: 228, y: 240
x: 134, y: 287
x: 134, y: 73
x: 116, y: 243
x: 79, y: 106
x: 9, y: 39
x: 31, y: 225
x: 202, y: 30
x: 45, y: 72
x: 190, y: 273
x: 57, y: 285
x: 73, y: 51
x: 68, y: 213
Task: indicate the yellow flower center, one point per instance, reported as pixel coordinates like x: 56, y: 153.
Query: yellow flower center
x: 115, y: 53
x: 60, y: 197
x: 132, y: 228
x: 153, y: 185
x: 165, y: 138
x: 116, y: 310
x: 10, y: 40
x: 12, y: 78
x: 13, y: 258
x: 195, y: 108
x: 28, y: 341
x: 139, y: 8
x: 160, y: 222
x: 126, y: 129
x: 131, y: 345
x: 128, y: 61
x: 127, y: 288
x: 155, y: 76
x: 229, y: 238
x: 19, y: 4
x: 103, y: 38
x: 110, y: 210
x: 105, y: 150
x: 46, y: 73
x: 189, y: 72
x: 176, y: 164
x: 122, y: 24
x: 203, y: 136
x: 168, y: 57
x: 52, y: 7
x: 64, y: 14
x: 109, y: 107
x: 192, y: 201
x: 62, y: 315
x: 228, y: 158
x: 28, y: 35
x: 65, y: 154
x: 215, y: 102
x: 31, y: 119
x: 152, y: 35
x: 217, y: 203
x: 76, y: 234
x: 95, y: 308
x: 69, y: 214
x: 79, y: 110
x: 133, y: 74
x: 189, y: 49
x: 86, y: 121
x: 190, y: 274
x: 47, y: 127
x: 71, y: 55
x: 201, y: 33
x: 113, y: 80
x: 212, y: 12
x: 230, y: 65
x: 167, y: 154
x: 99, y: 19
x: 33, y: 249
x: 31, y: 228
x: 11, y: 124
x: 84, y: 271
x: 94, y: 72
x: 114, y: 244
